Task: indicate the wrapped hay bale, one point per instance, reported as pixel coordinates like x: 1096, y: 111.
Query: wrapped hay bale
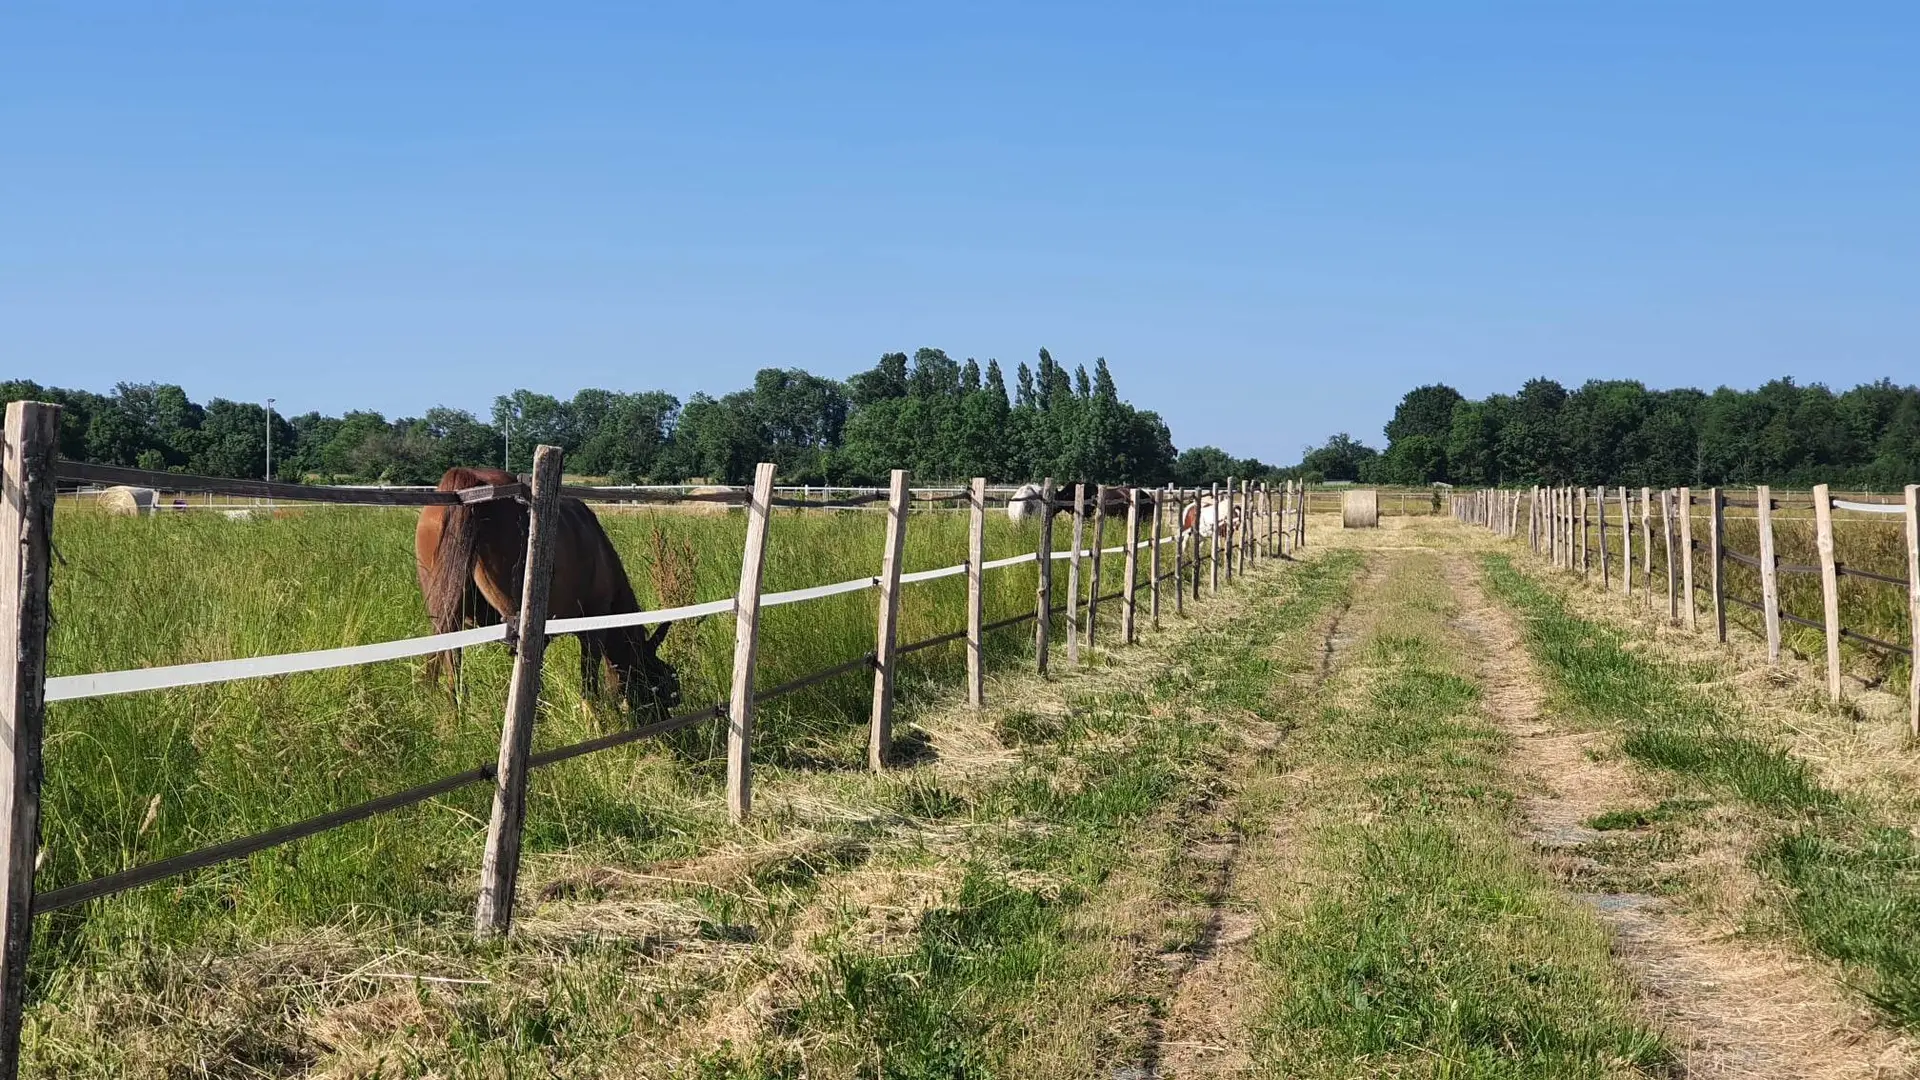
x: 128, y: 501
x: 1360, y: 510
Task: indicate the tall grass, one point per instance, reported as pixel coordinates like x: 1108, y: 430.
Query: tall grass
x: 137, y: 777
x: 1870, y: 542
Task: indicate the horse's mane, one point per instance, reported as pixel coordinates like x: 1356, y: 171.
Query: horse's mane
x: 453, y: 562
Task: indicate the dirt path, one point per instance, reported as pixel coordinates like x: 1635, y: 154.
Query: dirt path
x: 1733, y: 1009
x: 1205, y: 1030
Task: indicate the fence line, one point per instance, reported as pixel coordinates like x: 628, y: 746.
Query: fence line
x: 31, y: 468
x: 1553, y: 512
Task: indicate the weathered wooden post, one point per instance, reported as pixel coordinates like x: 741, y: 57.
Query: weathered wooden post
x: 1073, y: 573
x: 1196, y: 545
x: 976, y: 555
x: 1213, y: 541
x: 1153, y: 561
x: 1717, y: 558
x: 1606, y: 567
x: 1829, y: 585
x: 1668, y: 530
x: 1129, y: 605
x: 1099, y: 559
x: 1646, y: 540
x: 1626, y: 541
x: 1913, y: 607
x: 746, y: 647
x: 885, y: 668
x: 1248, y: 549
x: 1685, y: 503
x: 1043, y: 598
x: 1769, y: 571
x: 1227, y: 524
x: 32, y: 438
x: 1179, y: 549
x: 500, y: 865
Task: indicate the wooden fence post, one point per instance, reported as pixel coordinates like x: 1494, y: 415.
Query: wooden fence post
x: 500, y: 866
x: 1829, y: 585
x: 1685, y: 504
x: 1179, y: 499
x: 1586, y: 556
x: 976, y: 554
x: 1213, y: 542
x: 1266, y: 519
x: 1717, y: 558
x: 1073, y: 573
x: 880, y: 725
x: 1153, y: 562
x: 1626, y: 541
x: 1227, y: 524
x: 1606, y: 566
x: 1249, y: 530
x: 1913, y: 607
x: 1099, y: 560
x: 1196, y: 544
x: 1043, y: 598
x: 746, y: 647
x: 32, y: 438
x: 1646, y: 540
x: 1553, y: 527
x: 1669, y: 529
x: 1130, y: 604
x: 1769, y: 571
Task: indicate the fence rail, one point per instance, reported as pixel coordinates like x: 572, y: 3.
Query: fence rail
x: 1557, y: 526
x: 33, y: 471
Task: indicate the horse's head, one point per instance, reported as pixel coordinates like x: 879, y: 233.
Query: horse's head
x: 651, y: 685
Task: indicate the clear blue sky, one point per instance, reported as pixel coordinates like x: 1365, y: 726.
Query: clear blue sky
x: 1271, y: 218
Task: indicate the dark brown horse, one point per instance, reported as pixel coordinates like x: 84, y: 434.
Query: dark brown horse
x: 472, y: 563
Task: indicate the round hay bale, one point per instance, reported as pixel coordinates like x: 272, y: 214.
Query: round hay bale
x: 1360, y: 509
x: 126, y: 501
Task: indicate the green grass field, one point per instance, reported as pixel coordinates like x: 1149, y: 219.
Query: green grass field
x: 138, y: 777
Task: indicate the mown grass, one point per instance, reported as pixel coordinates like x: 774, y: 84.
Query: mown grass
x: 1849, y: 883
x: 1424, y: 942
x: 134, y: 778
x: 973, y: 994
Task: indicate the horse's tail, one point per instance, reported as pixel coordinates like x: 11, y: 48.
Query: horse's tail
x: 452, y: 569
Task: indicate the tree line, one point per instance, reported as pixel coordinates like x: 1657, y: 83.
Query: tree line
x: 1618, y: 431
x: 943, y: 419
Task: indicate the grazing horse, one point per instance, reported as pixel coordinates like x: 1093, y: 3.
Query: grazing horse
x: 472, y: 562
x: 1025, y: 502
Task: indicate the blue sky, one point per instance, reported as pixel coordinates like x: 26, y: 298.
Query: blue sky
x: 1270, y: 218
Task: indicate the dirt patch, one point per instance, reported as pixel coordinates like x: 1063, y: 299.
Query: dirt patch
x: 1732, y: 1008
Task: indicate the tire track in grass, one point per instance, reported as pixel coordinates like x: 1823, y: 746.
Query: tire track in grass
x: 1406, y: 933
x: 1741, y: 1006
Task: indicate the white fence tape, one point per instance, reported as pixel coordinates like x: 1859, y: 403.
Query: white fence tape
x: 71, y: 687
x: 583, y: 623
x: 1869, y: 508
x: 931, y: 575
x: 104, y: 684
x: 816, y: 592
x: 1012, y: 560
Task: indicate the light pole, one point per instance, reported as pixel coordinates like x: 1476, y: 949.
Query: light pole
x: 269, y: 439
x: 506, y: 441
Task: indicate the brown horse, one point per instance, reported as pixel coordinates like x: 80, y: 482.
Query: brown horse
x: 472, y: 563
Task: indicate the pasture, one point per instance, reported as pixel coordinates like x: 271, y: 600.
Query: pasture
x: 137, y: 777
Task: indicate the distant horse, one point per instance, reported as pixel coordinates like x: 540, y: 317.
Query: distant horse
x: 472, y: 563
x: 1025, y: 502
x: 1205, y: 516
